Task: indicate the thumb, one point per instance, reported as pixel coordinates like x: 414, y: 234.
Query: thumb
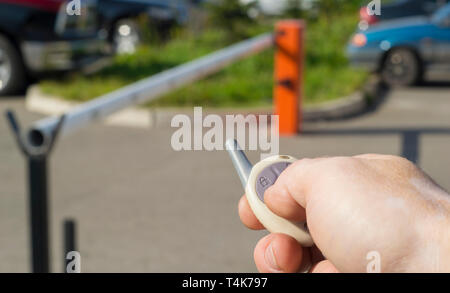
x: 288, y: 196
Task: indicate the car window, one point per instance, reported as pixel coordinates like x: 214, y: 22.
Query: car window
x: 430, y: 6
x: 442, y: 15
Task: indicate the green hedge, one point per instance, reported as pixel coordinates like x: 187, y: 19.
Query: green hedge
x: 247, y: 83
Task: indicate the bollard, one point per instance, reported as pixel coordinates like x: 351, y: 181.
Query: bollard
x: 289, y: 57
x: 38, y: 208
x: 69, y: 230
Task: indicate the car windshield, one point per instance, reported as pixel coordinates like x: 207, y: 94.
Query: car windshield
x: 441, y: 14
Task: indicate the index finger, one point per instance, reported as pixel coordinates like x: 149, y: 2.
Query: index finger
x: 247, y: 216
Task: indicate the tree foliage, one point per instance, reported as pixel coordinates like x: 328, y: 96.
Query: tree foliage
x: 232, y: 16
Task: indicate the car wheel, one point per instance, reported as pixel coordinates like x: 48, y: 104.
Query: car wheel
x: 126, y: 36
x: 401, y: 68
x: 12, y: 72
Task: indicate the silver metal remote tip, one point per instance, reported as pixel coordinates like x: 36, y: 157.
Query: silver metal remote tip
x: 240, y: 160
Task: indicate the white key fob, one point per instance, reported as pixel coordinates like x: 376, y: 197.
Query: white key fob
x: 256, y: 180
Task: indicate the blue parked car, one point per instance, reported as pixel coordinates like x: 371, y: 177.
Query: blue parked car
x: 403, y: 50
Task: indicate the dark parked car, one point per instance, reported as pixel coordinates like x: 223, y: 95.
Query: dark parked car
x: 119, y: 19
x: 38, y: 36
x: 402, y: 8
x: 403, y: 50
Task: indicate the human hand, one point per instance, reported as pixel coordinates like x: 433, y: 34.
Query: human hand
x: 354, y: 206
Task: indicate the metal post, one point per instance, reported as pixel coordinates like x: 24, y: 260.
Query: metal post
x: 411, y: 145
x: 69, y: 240
x: 37, y: 158
x: 38, y: 207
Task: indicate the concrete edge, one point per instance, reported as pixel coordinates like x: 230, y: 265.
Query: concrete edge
x: 337, y: 109
x: 38, y: 102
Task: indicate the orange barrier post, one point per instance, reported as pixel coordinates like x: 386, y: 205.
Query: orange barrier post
x: 288, y: 75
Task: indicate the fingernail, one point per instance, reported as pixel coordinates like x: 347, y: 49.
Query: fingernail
x: 269, y: 257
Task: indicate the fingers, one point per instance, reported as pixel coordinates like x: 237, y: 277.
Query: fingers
x: 278, y: 253
x: 279, y: 200
x: 247, y: 216
x: 324, y: 266
x: 287, y: 197
x: 370, y: 156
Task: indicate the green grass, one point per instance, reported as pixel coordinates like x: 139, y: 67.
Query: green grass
x: 328, y: 74
x: 247, y: 83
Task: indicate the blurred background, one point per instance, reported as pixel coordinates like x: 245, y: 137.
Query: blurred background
x: 142, y: 207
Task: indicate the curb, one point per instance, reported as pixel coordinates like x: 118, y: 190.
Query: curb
x: 38, y: 102
x: 45, y: 104
x: 339, y: 109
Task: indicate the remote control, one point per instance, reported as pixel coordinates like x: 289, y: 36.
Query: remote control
x: 256, y: 180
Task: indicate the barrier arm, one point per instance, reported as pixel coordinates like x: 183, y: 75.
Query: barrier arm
x: 146, y: 90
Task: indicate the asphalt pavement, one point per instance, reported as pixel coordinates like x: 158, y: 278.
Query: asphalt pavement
x: 142, y: 207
